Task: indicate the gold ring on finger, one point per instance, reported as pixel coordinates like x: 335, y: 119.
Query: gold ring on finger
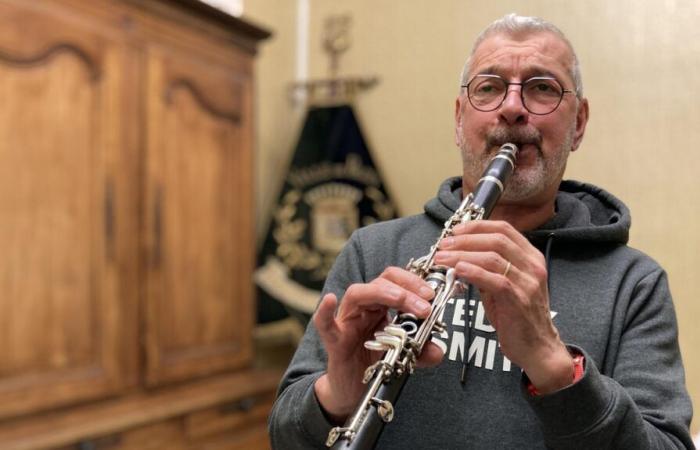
x: 505, y: 272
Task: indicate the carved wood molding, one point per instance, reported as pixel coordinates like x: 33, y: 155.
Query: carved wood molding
x: 181, y: 83
x: 36, y: 60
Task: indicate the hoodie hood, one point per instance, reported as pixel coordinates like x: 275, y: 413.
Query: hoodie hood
x: 584, y: 213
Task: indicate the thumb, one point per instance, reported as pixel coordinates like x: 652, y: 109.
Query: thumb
x: 324, y: 319
x: 431, y: 355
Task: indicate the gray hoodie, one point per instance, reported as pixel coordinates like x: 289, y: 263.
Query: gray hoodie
x: 608, y: 301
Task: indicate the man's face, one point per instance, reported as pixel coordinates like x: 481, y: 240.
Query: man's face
x: 544, y: 140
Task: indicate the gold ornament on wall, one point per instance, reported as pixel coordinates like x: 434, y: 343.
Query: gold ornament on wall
x: 334, y: 90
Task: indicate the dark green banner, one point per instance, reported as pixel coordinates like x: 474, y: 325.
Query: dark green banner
x: 331, y: 189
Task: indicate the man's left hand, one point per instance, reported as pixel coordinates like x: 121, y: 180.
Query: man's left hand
x: 511, y: 276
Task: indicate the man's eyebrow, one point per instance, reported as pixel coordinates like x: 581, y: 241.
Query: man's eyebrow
x: 528, y: 72
x: 539, y: 72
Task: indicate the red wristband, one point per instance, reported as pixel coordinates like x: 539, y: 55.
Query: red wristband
x: 578, y: 374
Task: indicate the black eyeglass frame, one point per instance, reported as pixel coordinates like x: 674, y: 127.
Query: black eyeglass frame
x: 522, y: 92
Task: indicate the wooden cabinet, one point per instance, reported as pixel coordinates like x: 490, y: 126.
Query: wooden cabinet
x: 196, y: 192
x: 68, y: 290
x: 125, y: 221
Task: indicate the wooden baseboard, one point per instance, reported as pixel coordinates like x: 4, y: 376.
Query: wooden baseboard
x: 95, y: 420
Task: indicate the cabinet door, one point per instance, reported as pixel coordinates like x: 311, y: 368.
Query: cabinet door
x: 66, y: 322
x: 199, y: 216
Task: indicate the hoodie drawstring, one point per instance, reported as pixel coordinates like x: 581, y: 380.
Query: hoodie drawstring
x: 467, y: 338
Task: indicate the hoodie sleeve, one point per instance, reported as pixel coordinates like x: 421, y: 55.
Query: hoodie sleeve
x: 297, y: 420
x: 643, y: 403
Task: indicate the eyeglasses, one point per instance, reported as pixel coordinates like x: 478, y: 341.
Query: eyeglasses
x: 540, y: 95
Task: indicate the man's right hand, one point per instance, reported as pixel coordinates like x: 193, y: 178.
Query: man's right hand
x: 364, y: 310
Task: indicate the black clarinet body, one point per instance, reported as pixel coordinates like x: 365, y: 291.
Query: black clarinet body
x: 367, y: 435
x: 404, y: 338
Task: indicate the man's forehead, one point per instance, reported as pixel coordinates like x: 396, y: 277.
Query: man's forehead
x: 544, y: 51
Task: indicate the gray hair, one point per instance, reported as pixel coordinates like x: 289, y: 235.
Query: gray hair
x: 514, y: 25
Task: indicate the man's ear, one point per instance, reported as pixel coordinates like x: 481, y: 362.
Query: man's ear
x: 458, y: 121
x: 581, y: 121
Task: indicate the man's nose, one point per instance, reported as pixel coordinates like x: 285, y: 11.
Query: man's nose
x: 512, y: 110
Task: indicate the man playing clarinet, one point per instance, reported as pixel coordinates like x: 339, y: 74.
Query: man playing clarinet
x: 563, y: 336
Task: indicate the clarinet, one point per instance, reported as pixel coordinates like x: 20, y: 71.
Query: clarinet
x: 404, y: 338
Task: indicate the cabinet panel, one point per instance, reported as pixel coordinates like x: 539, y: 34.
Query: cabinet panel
x: 198, y: 223
x: 239, y: 414
x: 63, y: 328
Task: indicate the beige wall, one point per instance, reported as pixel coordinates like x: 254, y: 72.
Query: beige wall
x: 640, y: 65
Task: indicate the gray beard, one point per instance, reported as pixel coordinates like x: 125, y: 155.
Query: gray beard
x: 526, y: 181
